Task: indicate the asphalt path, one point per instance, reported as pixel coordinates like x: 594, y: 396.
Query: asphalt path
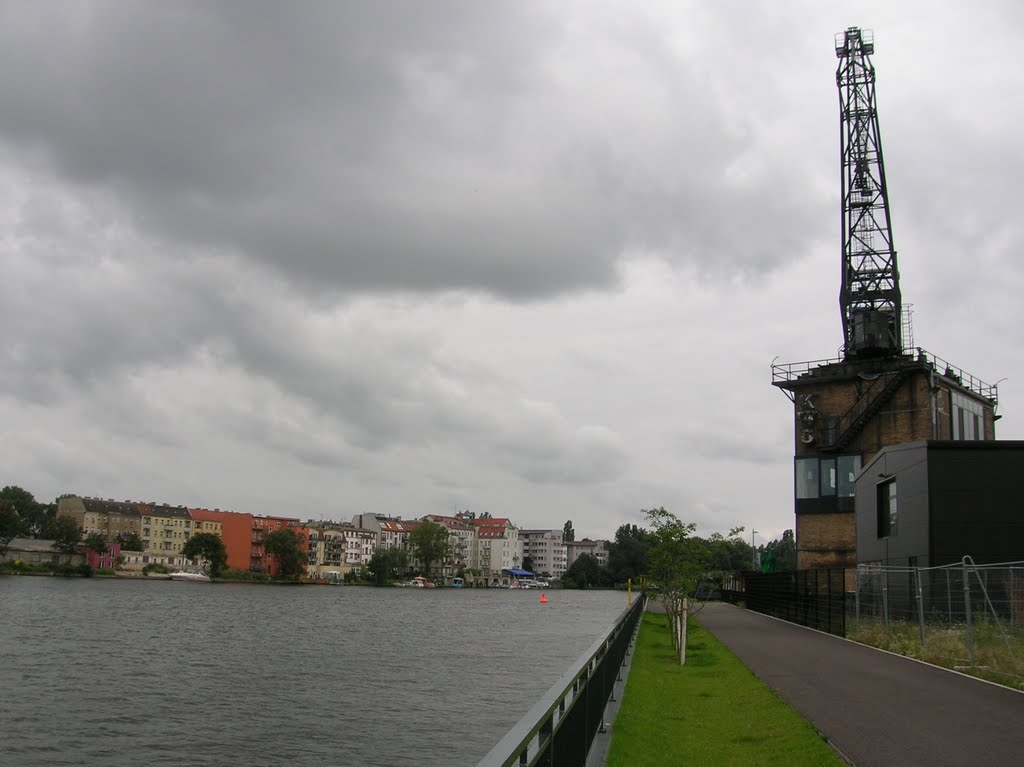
x: 877, y: 709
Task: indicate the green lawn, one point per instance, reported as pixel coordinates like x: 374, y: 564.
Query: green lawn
x: 712, y: 711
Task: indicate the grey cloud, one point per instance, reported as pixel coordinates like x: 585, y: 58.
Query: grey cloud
x: 400, y: 147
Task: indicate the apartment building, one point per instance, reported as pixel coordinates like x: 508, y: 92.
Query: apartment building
x: 463, y: 541
x: 546, y: 551
x: 597, y: 549
x: 106, y: 517
x: 165, y: 530
x: 499, y: 547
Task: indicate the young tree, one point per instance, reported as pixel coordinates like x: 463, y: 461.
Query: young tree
x: 676, y: 564
x: 210, y: 547
x: 285, y: 545
x: 429, y: 543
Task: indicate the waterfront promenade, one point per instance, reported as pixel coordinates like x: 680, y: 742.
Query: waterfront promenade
x: 876, y: 708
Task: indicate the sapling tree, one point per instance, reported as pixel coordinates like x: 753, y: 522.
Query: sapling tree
x: 675, y: 564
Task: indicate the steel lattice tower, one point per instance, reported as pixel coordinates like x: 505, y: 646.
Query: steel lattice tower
x: 869, y: 297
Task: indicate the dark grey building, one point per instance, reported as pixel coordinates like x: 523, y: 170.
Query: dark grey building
x: 928, y: 503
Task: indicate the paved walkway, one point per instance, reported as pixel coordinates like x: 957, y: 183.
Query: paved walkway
x: 877, y: 709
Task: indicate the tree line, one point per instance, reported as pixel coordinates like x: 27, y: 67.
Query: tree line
x: 635, y: 548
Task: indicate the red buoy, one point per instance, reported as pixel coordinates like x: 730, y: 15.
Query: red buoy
x: 543, y: 599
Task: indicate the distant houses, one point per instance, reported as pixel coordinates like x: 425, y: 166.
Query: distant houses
x: 484, y: 548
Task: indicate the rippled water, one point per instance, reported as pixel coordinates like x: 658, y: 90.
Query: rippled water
x: 96, y: 671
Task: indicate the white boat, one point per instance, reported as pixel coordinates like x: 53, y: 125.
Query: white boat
x: 184, y: 576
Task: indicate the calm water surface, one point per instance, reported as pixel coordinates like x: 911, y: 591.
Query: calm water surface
x: 96, y: 671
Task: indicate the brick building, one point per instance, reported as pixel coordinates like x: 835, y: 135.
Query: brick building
x: 845, y: 411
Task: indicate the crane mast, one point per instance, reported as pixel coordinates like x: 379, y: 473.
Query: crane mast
x: 869, y: 297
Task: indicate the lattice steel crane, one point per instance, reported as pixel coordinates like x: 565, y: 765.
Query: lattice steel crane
x: 869, y: 297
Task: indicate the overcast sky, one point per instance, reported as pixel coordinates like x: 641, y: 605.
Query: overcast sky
x: 528, y: 258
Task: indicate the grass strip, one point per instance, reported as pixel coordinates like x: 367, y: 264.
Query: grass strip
x: 712, y: 711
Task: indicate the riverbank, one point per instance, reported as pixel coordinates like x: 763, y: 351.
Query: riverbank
x: 712, y: 711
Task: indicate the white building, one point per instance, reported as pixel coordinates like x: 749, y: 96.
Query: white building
x: 546, y: 551
x: 598, y: 549
x: 462, y: 538
x: 498, y: 546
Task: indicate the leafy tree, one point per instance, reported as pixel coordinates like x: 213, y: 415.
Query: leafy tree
x: 528, y: 563
x: 586, y: 572
x: 729, y: 553
x: 34, y: 516
x: 568, y: 534
x: 10, y: 525
x: 130, y: 541
x: 676, y: 563
x: 66, y: 535
x: 780, y: 554
x: 385, y: 564
x: 429, y: 543
x: 210, y: 547
x: 627, y: 554
x: 286, y: 546
x: 97, y: 543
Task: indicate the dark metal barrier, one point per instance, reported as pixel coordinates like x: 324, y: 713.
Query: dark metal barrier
x: 558, y: 731
x: 813, y: 598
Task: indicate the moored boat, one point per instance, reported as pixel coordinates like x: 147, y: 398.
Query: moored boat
x: 186, y: 576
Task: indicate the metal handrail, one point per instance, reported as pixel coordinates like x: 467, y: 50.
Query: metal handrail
x: 791, y: 371
x: 568, y: 716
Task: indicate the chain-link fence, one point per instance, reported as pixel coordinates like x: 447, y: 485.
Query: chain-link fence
x: 965, y: 616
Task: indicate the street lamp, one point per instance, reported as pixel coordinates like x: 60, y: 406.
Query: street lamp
x: 753, y: 551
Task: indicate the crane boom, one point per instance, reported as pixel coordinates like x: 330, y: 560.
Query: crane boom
x: 869, y: 298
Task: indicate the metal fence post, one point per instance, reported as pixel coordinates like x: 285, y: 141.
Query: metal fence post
x: 920, y: 606
x: 885, y: 598
x: 967, y: 612
x: 856, y: 594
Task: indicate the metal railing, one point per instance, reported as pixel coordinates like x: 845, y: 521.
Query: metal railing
x: 790, y: 371
x: 561, y: 727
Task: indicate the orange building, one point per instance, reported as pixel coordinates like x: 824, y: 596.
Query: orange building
x: 259, y: 560
x: 235, y: 529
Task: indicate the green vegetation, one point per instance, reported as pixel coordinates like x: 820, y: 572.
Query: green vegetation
x: 35, y: 520
x: 284, y: 545
x: 997, y: 657
x: 18, y: 567
x: 586, y: 572
x: 130, y: 542
x: 209, y: 547
x: 97, y: 543
x: 66, y: 535
x: 10, y: 525
x: 429, y: 544
x: 712, y: 711
x: 386, y: 565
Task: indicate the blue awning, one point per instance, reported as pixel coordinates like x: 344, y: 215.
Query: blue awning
x: 515, y: 572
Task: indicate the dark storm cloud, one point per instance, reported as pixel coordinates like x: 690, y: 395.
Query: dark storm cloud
x: 394, y: 146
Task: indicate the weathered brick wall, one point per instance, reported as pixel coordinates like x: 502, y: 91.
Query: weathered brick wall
x: 826, y: 540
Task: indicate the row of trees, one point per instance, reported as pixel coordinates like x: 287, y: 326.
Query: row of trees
x: 629, y: 554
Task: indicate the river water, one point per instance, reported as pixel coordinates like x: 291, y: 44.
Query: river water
x: 125, y: 672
